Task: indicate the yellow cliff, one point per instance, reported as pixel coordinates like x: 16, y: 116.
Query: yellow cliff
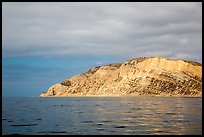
x: 154, y: 76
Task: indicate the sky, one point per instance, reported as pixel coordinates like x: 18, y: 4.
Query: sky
x: 44, y: 43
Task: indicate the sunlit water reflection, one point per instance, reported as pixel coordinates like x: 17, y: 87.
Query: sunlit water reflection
x: 98, y: 116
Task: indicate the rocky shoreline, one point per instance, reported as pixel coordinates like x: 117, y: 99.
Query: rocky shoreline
x: 152, y: 76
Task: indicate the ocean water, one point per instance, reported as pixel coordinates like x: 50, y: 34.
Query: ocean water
x: 102, y: 116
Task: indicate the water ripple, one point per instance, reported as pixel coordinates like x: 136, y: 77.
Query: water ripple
x: 92, y: 116
x: 23, y: 125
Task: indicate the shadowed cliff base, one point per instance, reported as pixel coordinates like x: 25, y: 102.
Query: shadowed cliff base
x: 148, y: 76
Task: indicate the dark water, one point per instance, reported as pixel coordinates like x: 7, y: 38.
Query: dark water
x: 98, y: 116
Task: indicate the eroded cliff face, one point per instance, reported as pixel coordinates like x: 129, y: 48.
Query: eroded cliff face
x: 141, y: 76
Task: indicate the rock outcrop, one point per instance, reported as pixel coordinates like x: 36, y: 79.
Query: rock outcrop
x: 153, y: 76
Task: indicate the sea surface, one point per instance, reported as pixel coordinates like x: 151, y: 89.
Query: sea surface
x: 102, y: 116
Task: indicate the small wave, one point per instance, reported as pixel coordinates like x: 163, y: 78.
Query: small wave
x: 120, y: 126
x: 128, y: 112
x: 47, y: 132
x: 58, y: 132
x: 100, y: 129
x: 178, y: 107
x: 170, y: 113
x: 136, y: 109
x: 61, y: 105
x: 89, y: 121
x: 166, y: 121
x: 56, y: 125
x: 23, y: 125
x: 13, y: 134
x: 106, y: 121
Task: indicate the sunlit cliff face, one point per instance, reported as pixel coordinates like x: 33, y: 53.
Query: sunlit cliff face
x: 141, y: 76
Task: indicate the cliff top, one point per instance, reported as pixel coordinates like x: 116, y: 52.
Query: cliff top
x: 144, y: 58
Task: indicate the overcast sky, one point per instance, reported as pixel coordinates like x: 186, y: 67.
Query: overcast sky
x: 97, y: 33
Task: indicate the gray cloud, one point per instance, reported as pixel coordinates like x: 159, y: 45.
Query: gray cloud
x: 120, y: 29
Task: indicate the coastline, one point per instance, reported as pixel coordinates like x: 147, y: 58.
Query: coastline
x: 122, y: 96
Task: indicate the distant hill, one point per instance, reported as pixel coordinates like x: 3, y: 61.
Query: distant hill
x: 154, y: 76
